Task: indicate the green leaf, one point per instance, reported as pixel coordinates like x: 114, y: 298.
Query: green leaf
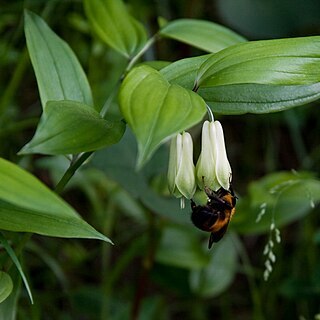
x: 258, y: 77
x: 183, y: 72
x: 6, y: 286
x: 27, y: 205
x: 201, y: 34
x: 15, y: 260
x: 285, y: 196
x: 58, y: 72
x: 111, y: 21
x: 180, y: 247
x: 240, y: 98
x: 286, y: 62
x: 258, y: 98
x: 219, y: 273
x: 155, y: 109
x: 69, y: 127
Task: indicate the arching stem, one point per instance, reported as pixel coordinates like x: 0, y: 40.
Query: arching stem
x: 210, y: 114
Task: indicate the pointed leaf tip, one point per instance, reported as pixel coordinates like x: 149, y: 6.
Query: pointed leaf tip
x: 27, y: 205
x: 70, y: 127
x: 58, y: 71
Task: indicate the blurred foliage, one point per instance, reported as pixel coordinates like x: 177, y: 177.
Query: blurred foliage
x: 159, y: 267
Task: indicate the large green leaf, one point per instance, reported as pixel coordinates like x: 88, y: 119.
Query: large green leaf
x: 202, y: 34
x: 156, y: 109
x: 27, y: 205
x: 115, y: 26
x: 218, y: 274
x: 6, y: 286
x: 282, y: 196
x: 69, y: 127
x: 258, y: 98
x: 257, y: 77
x: 59, y: 74
x: 293, y: 61
x: 240, y: 98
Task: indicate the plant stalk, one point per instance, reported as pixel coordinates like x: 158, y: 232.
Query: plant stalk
x: 148, y: 44
x: 74, y: 166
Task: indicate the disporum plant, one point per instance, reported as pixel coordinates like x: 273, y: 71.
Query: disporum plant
x: 157, y: 102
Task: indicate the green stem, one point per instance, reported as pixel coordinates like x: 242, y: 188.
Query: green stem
x: 105, y: 258
x: 18, y: 249
x: 148, y: 44
x: 210, y: 114
x: 147, y: 264
x: 14, y: 83
x: 108, y: 102
x: 297, y: 138
x: 74, y: 166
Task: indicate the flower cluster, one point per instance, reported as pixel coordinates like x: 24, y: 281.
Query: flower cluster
x: 212, y: 169
x: 268, y: 250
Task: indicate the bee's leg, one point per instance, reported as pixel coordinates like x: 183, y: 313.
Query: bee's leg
x: 213, y: 195
x: 211, y: 241
x: 193, y: 204
x: 209, y: 192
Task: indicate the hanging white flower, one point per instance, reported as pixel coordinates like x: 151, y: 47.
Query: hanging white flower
x: 213, y: 169
x: 181, y: 172
x: 222, y: 165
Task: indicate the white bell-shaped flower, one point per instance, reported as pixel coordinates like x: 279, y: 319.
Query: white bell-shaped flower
x: 222, y: 165
x: 213, y: 169
x: 205, y: 168
x: 181, y: 172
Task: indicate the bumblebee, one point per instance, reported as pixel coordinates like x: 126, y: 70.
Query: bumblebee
x: 215, y: 216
